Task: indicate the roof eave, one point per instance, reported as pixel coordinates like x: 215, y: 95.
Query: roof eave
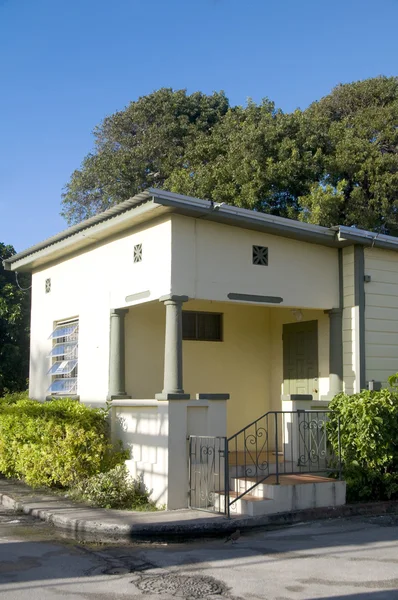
x: 246, y: 219
x: 87, y: 236
x: 351, y: 235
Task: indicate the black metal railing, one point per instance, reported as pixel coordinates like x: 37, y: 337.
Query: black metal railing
x: 280, y: 443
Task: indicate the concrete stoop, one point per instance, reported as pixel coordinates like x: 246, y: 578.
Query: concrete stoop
x: 294, y: 492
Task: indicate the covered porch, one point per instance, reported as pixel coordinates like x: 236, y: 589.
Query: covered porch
x: 174, y: 374
x: 257, y: 354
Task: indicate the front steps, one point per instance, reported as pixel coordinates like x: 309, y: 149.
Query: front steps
x: 294, y: 492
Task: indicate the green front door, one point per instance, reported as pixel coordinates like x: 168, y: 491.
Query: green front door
x: 300, y: 358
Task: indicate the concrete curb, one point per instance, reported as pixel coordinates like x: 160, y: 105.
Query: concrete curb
x: 178, y: 525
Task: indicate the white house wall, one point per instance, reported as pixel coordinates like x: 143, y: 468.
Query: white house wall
x: 381, y: 314
x: 87, y: 286
x: 211, y: 260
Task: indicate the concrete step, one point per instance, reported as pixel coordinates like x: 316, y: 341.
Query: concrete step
x: 248, y: 505
x: 294, y: 492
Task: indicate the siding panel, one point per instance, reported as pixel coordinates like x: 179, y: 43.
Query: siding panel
x: 381, y: 314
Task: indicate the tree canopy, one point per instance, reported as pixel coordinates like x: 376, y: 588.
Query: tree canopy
x: 14, y: 327
x: 334, y: 163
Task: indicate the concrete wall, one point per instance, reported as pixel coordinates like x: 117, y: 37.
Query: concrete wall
x: 87, y: 286
x: 210, y: 260
x: 143, y: 428
x: 156, y: 434
x: 247, y: 364
x: 201, y: 260
x: 381, y: 314
x: 239, y: 365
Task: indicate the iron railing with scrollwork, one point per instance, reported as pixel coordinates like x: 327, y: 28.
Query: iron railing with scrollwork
x: 207, y: 473
x: 280, y: 443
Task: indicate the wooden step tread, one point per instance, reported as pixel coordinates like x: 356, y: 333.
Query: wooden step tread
x: 298, y: 479
x: 249, y: 497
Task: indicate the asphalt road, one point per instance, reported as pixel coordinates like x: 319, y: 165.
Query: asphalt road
x: 345, y: 559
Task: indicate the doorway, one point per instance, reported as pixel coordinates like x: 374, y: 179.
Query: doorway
x: 300, y: 358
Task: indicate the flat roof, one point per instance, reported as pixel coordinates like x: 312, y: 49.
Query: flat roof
x: 153, y: 203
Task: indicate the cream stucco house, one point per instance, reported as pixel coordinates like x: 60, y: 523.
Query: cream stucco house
x: 197, y: 318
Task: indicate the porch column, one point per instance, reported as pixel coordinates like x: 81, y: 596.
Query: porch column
x: 117, y: 383
x: 335, y: 351
x: 172, y: 387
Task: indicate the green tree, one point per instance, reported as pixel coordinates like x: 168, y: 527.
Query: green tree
x: 333, y: 163
x: 139, y: 147
x: 252, y: 158
x: 14, y: 327
x: 354, y: 131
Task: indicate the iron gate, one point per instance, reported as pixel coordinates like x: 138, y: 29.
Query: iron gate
x: 207, y: 473
x: 314, y: 451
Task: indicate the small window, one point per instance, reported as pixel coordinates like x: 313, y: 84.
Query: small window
x: 202, y: 326
x: 138, y: 253
x: 64, y: 358
x: 260, y: 255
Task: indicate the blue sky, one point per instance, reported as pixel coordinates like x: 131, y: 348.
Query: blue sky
x: 66, y: 65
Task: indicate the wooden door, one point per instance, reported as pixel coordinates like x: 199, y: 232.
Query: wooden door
x: 300, y: 358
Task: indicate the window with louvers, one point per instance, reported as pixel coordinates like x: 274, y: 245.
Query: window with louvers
x: 64, y: 358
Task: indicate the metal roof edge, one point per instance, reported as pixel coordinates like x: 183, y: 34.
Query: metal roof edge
x: 337, y: 236
x: 249, y: 219
x: 106, y: 215
x: 367, y: 238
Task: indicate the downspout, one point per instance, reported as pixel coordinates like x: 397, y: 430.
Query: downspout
x: 359, y: 301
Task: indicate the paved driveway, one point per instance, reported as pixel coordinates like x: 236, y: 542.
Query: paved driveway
x: 345, y: 559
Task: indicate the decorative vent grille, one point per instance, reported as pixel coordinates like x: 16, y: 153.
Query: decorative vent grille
x: 48, y: 285
x: 260, y: 255
x: 138, y: 253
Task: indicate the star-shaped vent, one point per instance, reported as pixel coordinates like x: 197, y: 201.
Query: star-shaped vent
x: 260, y: 255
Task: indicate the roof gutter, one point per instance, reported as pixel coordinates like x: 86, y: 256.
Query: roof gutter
x: 367, y: 238
x: 148, y: 204
x: 247, y: 219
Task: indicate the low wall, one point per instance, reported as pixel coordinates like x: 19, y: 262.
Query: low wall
x: 143, y: 428
x: 156, y: 433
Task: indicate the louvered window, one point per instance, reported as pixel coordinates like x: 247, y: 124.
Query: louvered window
x: 64, y: 358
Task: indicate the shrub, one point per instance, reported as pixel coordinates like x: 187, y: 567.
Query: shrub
x: 14, y: 397
x: 54, y: 444
x: 114, y: 489
x: 369, y: 443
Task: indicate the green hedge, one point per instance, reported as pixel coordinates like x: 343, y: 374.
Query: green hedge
x: 369, y: 443
x: 55, y: 443
x: 14, y: 397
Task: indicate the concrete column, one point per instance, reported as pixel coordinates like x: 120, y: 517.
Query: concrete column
x: 216, y: 414
x: 117, y: 383
x: 335, y: 351
x: 173, y: 387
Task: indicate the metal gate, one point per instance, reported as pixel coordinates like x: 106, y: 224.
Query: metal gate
x: 207, y: 468
x: 314, y: 450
